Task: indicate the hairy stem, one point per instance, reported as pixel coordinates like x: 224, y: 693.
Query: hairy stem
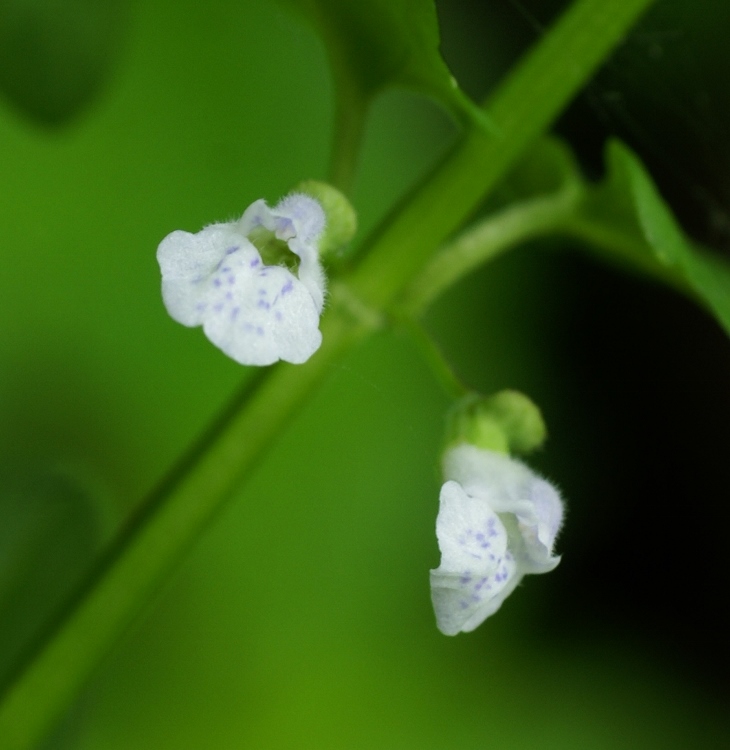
x: 488, y: 239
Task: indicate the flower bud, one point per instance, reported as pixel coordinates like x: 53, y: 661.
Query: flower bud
x: 506, y: 422
x: 341, y: 219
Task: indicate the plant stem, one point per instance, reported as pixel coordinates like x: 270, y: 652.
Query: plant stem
x: 625, y: 249
x: 556, y: 215
x: 485, y: 241
x: 440, y: 368
x: 349, y: 125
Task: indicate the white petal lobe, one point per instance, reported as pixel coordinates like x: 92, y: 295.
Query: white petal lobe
x: 476, y: 566
x: 256, y: 314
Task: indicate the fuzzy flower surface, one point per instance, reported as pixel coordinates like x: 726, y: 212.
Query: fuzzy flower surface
x: 254, y: 312
x: 497, y: 521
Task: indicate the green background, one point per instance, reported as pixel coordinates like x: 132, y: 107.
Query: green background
x: 302, y: 618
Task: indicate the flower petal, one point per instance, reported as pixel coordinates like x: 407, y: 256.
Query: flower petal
x: 539, y: 521
x: 477, y: 571
x: 299, y: 220
x: 258, y: 314
x: 186, y: 262
x: 487, y: 473
x: 510, y: 487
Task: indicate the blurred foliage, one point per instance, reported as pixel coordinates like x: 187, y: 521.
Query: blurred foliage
x: 381, y: 43
x: 50, y: 536
x: 303, y: 617
x: 56, y: 55
x: 629, y: 191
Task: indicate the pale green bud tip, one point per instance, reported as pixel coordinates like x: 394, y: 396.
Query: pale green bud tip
x: 341, y: 217
x: 507, y: 422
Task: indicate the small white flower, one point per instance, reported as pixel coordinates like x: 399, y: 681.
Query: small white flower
x: 257, y: 314
x: 497, y: 521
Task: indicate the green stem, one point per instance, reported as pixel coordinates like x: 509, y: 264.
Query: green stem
x: 556, y: 215
x: 440, y: 367
x: 349, y: 126
x: 623, y: 248
x: 174, y: 517
x: 485, y: 241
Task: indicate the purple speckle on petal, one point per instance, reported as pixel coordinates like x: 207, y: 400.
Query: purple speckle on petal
x: 466, y: 578
x: 263, y: 304
x: 229, y: 296
x: 231, y: 279
x: 262, y: 291
x: 253, y: 263
x: 278, y: 315
x: 232, y: 249
x: 285, y: 228
x: 218, y: 306
x: 287, y: 287
x: 483, y: 543
x: 235, y: 312
x: 216, y: 282
x: 259, y: 330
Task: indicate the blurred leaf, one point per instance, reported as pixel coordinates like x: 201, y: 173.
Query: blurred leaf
x: 55, y: 55
x: 381, y: 42
x: 629, y: 199
x: 49, y: 536
x: 375, y: 44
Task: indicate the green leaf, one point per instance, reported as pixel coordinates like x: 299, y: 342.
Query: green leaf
x: 382, y: 42
x: 631, y: 201
x: 55, y: 55
x: 375, y: 44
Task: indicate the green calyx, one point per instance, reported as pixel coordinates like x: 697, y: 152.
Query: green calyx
x: 506, y: 422
x: 341, y: 217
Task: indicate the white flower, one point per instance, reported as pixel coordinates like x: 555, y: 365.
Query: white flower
x: 497, y: 521
x: 256, y: 313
